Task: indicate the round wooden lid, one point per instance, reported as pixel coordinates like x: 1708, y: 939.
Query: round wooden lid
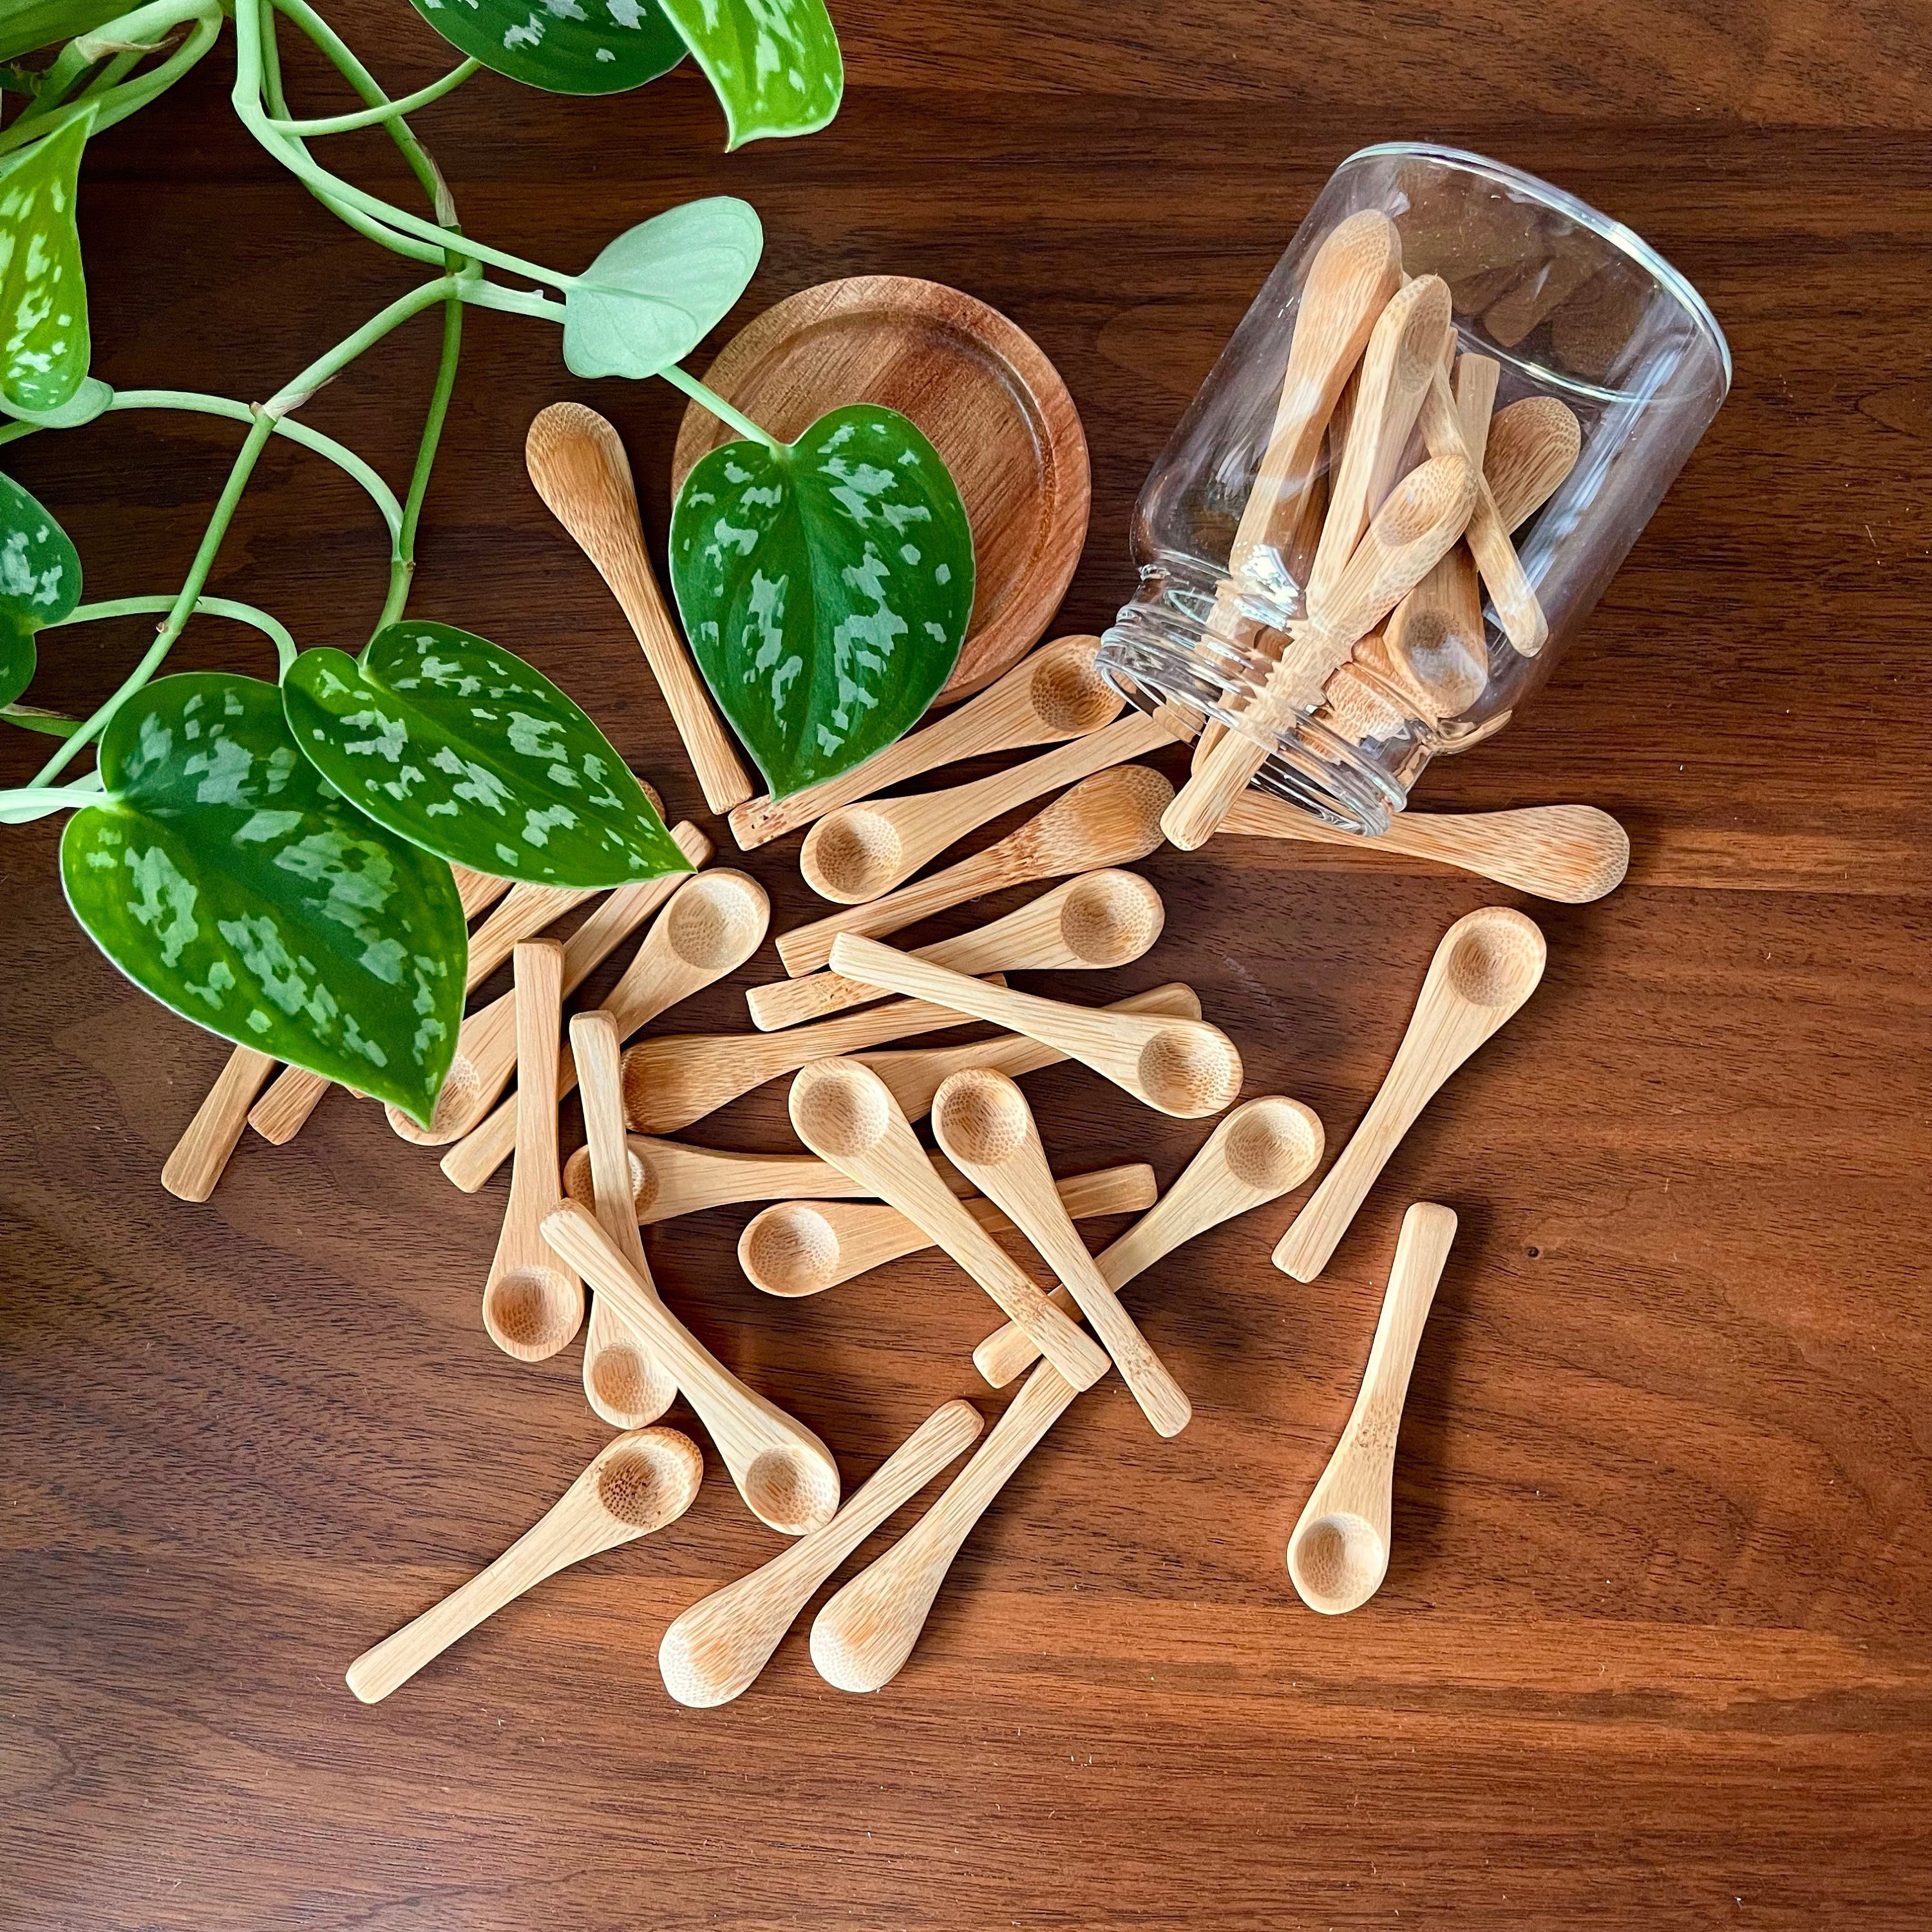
x: 987, y: 399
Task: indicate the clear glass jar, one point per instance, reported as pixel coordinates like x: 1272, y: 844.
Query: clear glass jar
x: 1569, y: 305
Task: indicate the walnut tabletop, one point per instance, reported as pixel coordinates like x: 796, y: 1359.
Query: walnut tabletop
x: 1655, y: 1650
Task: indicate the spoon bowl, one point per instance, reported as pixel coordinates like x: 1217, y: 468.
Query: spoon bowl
x: 854, y: 854
x: 531, y: 1313
x: 648, y: 1478
x: 981, y: 1117
x: 1190, y: 1070
x: 1337, y: 1562
x: 792, y: 1249
x: 1270, y: 1145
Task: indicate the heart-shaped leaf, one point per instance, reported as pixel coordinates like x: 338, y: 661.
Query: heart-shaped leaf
x: 39, y: 583
x: 468, y: 752
x: 825, y: 586
x: 223, y: 874
x: 657, y: 290
x: 773, y: 64
x: 43, y: 338
x: 566, y: 46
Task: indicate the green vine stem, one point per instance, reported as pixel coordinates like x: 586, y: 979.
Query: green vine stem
x: 710, y: 399
x: 394, y: 110
x: 273, y: 628
x: 115, y: 104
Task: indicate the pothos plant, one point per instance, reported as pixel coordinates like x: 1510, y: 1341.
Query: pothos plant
x: 272, y: 860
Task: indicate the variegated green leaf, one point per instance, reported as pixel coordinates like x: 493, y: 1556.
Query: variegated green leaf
x: 93, y: 398
x: 774, y: 64
x: 39, y: 583
x: 44, y: 339
x: 657, y: 291
x: 566, y: 46
x: 468, y: 752
x: 825, y: 586
x: 223, y: 873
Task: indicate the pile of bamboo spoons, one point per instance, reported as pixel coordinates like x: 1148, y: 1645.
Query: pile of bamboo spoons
x: 1393, y: 561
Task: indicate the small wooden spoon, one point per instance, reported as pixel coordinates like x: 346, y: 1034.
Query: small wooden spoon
x: 577, y: 462
x: 1056, y: 693
x: 861, y: 1638
x: 1572, y: 853
x: 531, y: 1306
x: 1339, y: 1552
x: 1533, y: 446
x: 983, y: 1121
x: 797, y: 1248
x: 1485, y: 966
x: 859, y: 851
x: 1258, y: 1152
x: 1186, y: 1068
x: 712, y: 1653
x: 917, y: 1074
x: 679, y: 1078
x: 1111, y: 819
x: 486, y: 1047
x: 713, y: 924
x: 637, y: 1483
x: 846, y: 1113
x: 282, y: 1111
x: 623, y: 1381
x: 783, y: 1471
x: 1092, y: 923
x: 670, y: 1179
x: 209, y: 1139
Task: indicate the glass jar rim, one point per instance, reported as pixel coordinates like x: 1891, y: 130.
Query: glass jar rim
x: 1626, y: 240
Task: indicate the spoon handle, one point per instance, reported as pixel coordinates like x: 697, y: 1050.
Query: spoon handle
x: 806, y: 948
x: 565, y: 1534
x: 209, y: 1139
x: 714, y: 1649
x: 861, y: 1638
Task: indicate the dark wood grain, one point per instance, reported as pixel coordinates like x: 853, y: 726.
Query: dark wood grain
x: 1653, y: 1651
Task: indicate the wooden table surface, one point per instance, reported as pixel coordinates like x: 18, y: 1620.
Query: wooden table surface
x: 1653, y: 1649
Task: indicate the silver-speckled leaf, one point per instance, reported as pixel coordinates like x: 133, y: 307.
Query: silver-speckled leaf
x: 773, y: 64
x: 566, y: 46
x: 825, y: 587
x: 657, y: 291
x: 93, y: 398
x: 222, y: 873
x: 468, y: 752
x: 43, y: 340
x: 39, y: 583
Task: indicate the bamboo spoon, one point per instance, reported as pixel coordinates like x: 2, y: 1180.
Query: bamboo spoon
x: 863, y: 1636
x: 1423, y: 515
x: 637, y: 1483
x: 1257, y: 1152
x: 859, y: 851
x: 712, y: 1653
x: 1339, y: 1552
x: 785, y: 1473
x: 916, y: 1074
x: 486, y: 1047
x: 623, y: 1381
x: 282, y: 1112
x: 1111, y: 819
x: 1100, y: 920
x: 680, y: 1077
x: 577, y: 463
x: 846, y: 1113
x: 1399, y: 365
x: 670, y: 1179
x: 209, y: 1139
x: 1572, y: 853
x: 712, y: 926
x: 1355, y: 274
x: 1186, y: 1068
x: 983, y: 1121
x: 531, y: 1306
x: 797, y: 1248
x: 1533, y: 446
x: 1056, y: 693
x: 1485, y: 966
